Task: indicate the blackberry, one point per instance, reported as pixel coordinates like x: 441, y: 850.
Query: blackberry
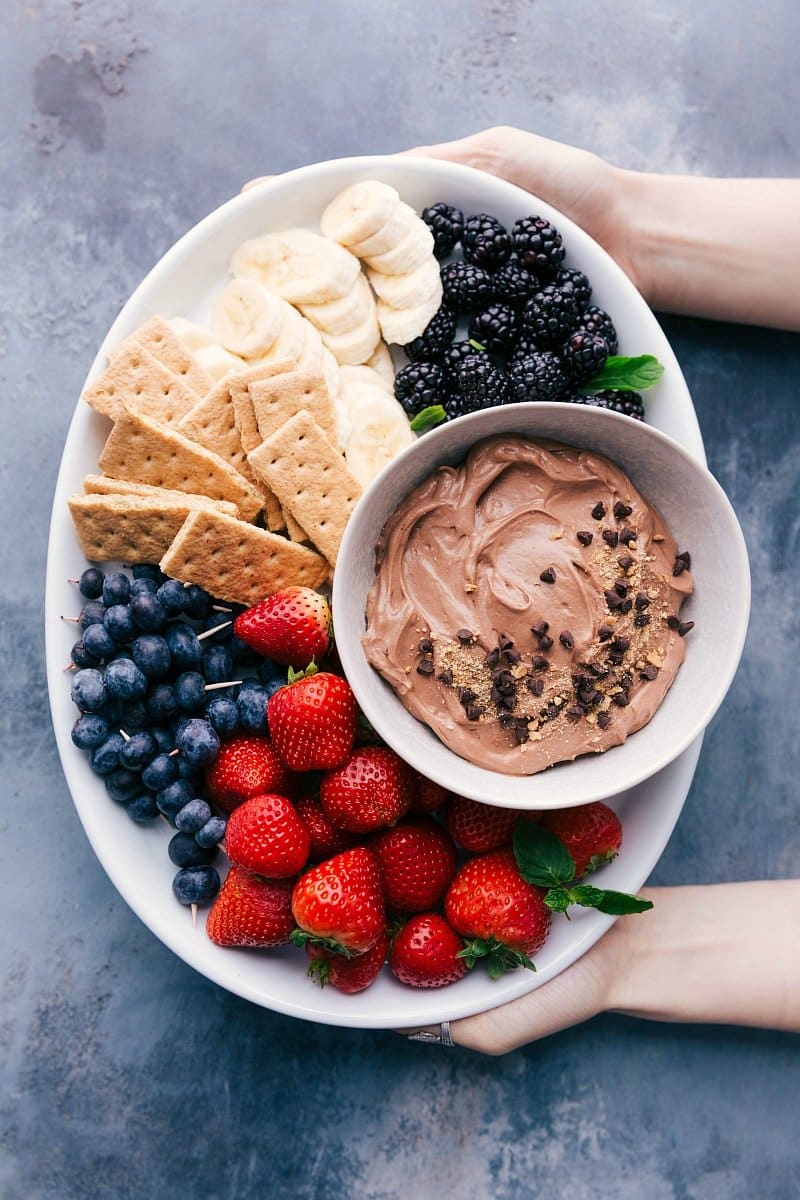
x: 435, y: 337
x: 524, y: 345
x: 538, y: 245
x: 596, y: 320
x: 482, y: 384
x: 454, y: 358
x: 495, y: 328
x: 628, y: 403
x: 569, y: 279
x: 538, y: 376
x: 446, y: 224
x: 514, y: 285
x: 467, y: 288
x: 584, y: 355
x: 458, y: 405
x: 550, y: 315
x: 486, y: 242
x: 419, y: 385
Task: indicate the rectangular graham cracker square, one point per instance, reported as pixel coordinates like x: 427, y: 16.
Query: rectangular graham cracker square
x: 104, y: 485
x: 130, y: 529
x: 211, y: 423
x: 310, y: 478
x: 244, y: 413
x: 163, y: 343
x: 295, y: 531
x: 143, y: 451
x: 238, y: 562
x: 276, y: 400
x: 135, y: 379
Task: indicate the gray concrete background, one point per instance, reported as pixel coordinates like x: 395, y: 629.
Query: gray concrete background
x: 125, y: 1074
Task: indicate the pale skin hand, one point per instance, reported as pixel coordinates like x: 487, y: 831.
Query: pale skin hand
x: 723, y: 954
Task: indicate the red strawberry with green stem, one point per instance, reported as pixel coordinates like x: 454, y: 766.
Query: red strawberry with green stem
x: 427, y: 953
x: 266, y: 834
x: 418, y: 862
x: 312, y: 721
x: 591, y: 832
x: 339, y: 904
x: 349, y: 975
x: 291, y: 627
x: 373, y: 788
x: 246, y: 766
x: 251, y: 911
x: 326, y: 839
x: 428, y: 796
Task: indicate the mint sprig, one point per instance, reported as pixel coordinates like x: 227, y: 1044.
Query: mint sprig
x: 622, y: 373
x: 428, y: 418
x: 544, y: 861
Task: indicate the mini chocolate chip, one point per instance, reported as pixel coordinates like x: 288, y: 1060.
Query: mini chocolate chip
x: 466, y: 695
x: 641, y: 619
x: 626, y: 680
x: 627, y: 536
x: 649, y: 671
x: 495, y: 695
x: 464, y: 636
x: 673, y: 622
x: 548, y: 575
x: 512, y: 656
x: 492, y: 658
x: 507, y: 688
x: 599, y: 511
x: 625, y: 561
x: 472, y: 712
x: 615, y: 658
x: 621, y: 587
x: 590, y: 698
x: 684, y: 627
x: 604, y: 720
x: 625, y: 606
x: 610, y: 537
x: 446, y: 676
x: 552, y: 711
x: 425, y: 646
x: 612, y: 599
x: 641, y: 601
x: 426, y: 667
x: 622, y: 510
x: 504, y: 641
x: 567, y: 640
x: 621, y: 699
x: 545, y: 643
x: 535, y: 686
x: 584, y: 537
x: 540, y: 664
x: 605, y: 631
x: 521, y: 732
x: 575, y: 712
x: 621, y: 644
x: 685, y: 557
x: 541, y: 629
x: 506, y: 720
x: 506, y: 702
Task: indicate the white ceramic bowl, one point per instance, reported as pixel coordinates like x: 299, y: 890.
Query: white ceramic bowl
x: 184, y: 283
x: 702, y: 521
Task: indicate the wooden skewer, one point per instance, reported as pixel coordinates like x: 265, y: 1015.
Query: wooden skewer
x: 216, y: 629
x: 212, y: 687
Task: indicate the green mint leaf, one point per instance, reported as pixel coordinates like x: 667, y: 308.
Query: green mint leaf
x: 428, y: 418
x: 541, y: 858
x: 586, y: 896
x: 476, y: 345
x: 624, y: 374
x: 616, y: 904
x: 558, y: 899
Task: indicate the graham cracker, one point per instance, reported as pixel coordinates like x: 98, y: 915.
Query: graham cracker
x: 135, y: 379
x: 310, y: 478
x: 160, y: 340
x: 131, y: 529
x: 238, y: 562
x: 243, y: 411
x: 104, y: 485
x: 294, y: 531
x: 276, y: 400
x: 141, y: 450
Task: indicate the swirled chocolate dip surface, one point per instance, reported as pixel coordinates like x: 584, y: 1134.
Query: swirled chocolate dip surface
x: 525, y: 605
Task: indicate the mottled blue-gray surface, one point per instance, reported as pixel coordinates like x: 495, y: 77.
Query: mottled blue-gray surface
x: 125, y: 1074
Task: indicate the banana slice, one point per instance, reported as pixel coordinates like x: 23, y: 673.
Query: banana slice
x: 298, y: 265
x: 340, y: 316
x: 291, y: 337
x: 218, y: 361
x: 381, y: 362
x: 379, y: 432
x: 407, y: 291
x: 246, y: 318
x: 358, y: 344
x: 400, y: 326
x: 355, y: 379
x: 193, y: 336
x: 359, y: 211
x: 391, y: 233
x: 408, y: 254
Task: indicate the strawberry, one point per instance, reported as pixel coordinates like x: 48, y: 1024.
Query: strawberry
x: 591, y: 832
x: 479, y: 827
x: 373, y: 788
x: 426, y: 953
x: 312, y: 721
x: 246, y: 766
x: 251, y: 911
x: 292, y: 627
x: 326, y: 839
x: 506, y: 918
x: 418, y: 862
x: 340, y: 904
x: 428, y: 795
x: 348, y: 975
x: 266, y: 834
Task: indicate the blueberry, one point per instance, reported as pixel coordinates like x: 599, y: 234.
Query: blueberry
x: 196, y: 885
x: 189, y: 771
x: 212, y: 832
x: 122, y: 785
x: 190, y: 691
x: 222, y: 624
x: 124, y: 680
x: 163, y: 736
x: 252, y: 705
x: 272, y: 675
x: 81, y: 656
x: 105, y: 758
x: 175, y: 796
x: 198, y: 602
x: 119, y: 623
x: 243, y: 654
x: 90, y: 583
x: 151, y: 655
x: 89, y: 731
x: 217, y: 664
x: 99, y: 642
x: 185, y: 852
x: 142, y: 808
x: 223, y: 715
x: 198, y: 743
x: 160, y: 772
x: 172, y: 595
x: 133, y: 715
x: 140, y: 749
x: 89, y: 690
x: 161, y: 702
x: 142, y: 585
x: 116, y: 589
x: 92, y: 613
x: 193, y: 816
x: 148, y: 612
x: 186, y: 650
x: 150, y: 571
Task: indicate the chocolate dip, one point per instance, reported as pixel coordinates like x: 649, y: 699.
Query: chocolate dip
x: 525, y: 605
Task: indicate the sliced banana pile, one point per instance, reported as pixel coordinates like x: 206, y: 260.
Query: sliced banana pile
x: 379, y: 428
x: 375, y: 225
